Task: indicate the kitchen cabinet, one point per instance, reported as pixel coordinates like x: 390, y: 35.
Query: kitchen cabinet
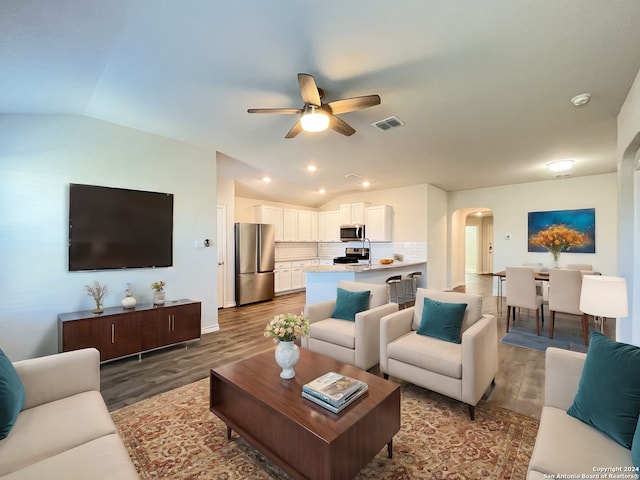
x: 282, y: 276
x: 353, y: 213
x: 297, y: 274
x: 379, y: 223
x: 307, y: 226
x: 273, y: 216
x: 289, y: 225
x: 120, y: 332
x: 329, y: 226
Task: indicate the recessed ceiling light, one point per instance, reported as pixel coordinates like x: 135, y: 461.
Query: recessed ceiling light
x: 365, y: 183
x: 311, y: 168
x: 266, y: 179
x: 581, y: 99
x: 322, y: 190
x: 560, y: 165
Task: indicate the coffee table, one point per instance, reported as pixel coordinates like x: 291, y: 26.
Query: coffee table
x: 303, y: 438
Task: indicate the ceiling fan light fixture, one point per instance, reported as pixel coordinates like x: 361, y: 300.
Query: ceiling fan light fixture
x: 312, y: 121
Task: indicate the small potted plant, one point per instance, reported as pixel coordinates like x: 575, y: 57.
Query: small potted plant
x: 158, y: 292
x: 98, y: 293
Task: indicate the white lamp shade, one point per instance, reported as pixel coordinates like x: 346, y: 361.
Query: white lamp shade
x: 604, y: 296
x: 312, y: 121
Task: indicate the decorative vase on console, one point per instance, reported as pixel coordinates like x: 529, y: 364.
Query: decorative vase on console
x: 158, y: 292
x: 128, y: 301
x: 98, y: 292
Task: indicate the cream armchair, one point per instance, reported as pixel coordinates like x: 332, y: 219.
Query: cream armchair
x: 353, y: 342
x: 462, y: 371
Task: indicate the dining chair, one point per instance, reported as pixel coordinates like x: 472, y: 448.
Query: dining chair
x: 579, y: 266
x: 522, y: 293
x: 564, y: 297
x: 537, y: 268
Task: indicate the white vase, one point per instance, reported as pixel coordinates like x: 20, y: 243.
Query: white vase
x: 287, y: 355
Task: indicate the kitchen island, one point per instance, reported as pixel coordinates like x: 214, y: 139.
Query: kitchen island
x: 322, y: 280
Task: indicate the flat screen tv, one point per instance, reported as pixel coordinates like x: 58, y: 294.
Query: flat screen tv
x: 115, y: 228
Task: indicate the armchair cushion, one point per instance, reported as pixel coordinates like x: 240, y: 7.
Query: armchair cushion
x: 607, y: 397
x: 12, y: 395
x: 335, y: 331
x: 349, y: 303
x: 442, y: 320
x: 428, y: 353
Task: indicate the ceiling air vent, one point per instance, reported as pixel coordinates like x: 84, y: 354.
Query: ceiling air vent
x: 388, y: 123
x: 562, y: 174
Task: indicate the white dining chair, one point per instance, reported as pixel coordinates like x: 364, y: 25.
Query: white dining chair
x: 522, y: 293
x: 564, y: 297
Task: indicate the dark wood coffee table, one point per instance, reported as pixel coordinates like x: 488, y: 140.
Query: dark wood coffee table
x: 306, y: 440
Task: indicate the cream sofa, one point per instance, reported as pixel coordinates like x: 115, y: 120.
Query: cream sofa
x: 64, y: 431
x: 564, y: 444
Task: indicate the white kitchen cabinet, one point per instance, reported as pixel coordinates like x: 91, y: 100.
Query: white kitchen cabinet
x: 282, y: 276
x: 307, y: 226
x: 329, y: 226
x: 353, y: 213
x: 272, y: 215
x: 379, y: 223
x: 290, y: 225
x: 297, y: 274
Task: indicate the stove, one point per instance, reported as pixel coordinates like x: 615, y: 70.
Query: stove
x: 353, y: 255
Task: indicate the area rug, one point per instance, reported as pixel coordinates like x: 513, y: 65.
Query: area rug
x: 525, y: 337
x: 175, y: 436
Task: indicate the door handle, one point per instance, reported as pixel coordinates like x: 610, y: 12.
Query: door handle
x: 113, y: 333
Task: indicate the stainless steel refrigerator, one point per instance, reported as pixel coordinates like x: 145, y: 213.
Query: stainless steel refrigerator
x: 255, y: 261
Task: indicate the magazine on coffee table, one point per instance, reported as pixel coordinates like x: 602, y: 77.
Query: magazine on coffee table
x: 333, y: 388
x: 349, y: 400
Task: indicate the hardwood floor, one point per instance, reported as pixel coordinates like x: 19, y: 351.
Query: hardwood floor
x: 519, y: 384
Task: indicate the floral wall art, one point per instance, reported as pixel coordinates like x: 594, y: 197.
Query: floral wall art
x: 562, y: 230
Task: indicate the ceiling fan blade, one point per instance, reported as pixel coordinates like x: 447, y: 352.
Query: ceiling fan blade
x: 275, y: 110
x: 295, y: 130
x: 341, y: 126
x: 355, y: 103
x: 309, y: 89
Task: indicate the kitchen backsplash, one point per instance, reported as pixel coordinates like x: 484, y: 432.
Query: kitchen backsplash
x: 329, y: 250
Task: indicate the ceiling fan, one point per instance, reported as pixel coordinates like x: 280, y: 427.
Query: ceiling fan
x: 316, y: 116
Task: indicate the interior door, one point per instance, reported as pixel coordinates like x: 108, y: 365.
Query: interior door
x: 221, y: 244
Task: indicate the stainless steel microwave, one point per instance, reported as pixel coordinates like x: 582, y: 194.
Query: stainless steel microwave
x: 350, y: 233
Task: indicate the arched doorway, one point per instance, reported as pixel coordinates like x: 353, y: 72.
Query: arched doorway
x: 471, y: 243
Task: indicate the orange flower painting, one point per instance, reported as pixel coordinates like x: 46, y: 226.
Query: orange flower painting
x: 561, y: 231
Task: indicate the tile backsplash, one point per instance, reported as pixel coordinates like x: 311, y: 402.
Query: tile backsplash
x: 328, y: 250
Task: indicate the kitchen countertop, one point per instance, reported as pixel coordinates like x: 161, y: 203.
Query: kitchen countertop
x: 361, y: 267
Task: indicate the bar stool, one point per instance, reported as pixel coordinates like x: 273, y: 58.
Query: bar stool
x: 395, y: 290
x: 409, y: 286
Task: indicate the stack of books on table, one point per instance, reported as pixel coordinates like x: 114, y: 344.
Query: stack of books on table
x: 334, y: 391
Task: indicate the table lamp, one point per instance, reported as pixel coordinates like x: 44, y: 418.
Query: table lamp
x: 604, y: 297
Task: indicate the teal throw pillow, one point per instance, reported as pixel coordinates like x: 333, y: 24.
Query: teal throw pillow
x: 12, y: 395
x: 349, y: 303
x: 635, y: 447
x: 608, y: 395
x: 442, y: 320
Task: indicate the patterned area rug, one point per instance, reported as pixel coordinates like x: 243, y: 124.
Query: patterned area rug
x: 175, y: 436
x: 526, y: 337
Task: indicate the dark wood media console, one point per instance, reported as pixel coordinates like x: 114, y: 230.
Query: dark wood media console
x: 121, y: 332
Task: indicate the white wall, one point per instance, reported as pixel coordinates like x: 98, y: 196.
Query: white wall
x: 511, y: 204
x: 629, y: 210
x: 437, y: 249
x: 39, y: 156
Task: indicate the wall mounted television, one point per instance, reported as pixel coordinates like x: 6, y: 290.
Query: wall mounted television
x: 116, y: 228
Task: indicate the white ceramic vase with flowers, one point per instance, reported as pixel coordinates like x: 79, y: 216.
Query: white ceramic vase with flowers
x: 285, y: 329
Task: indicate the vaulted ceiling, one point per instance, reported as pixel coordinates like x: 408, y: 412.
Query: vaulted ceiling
x: 483, y: 87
